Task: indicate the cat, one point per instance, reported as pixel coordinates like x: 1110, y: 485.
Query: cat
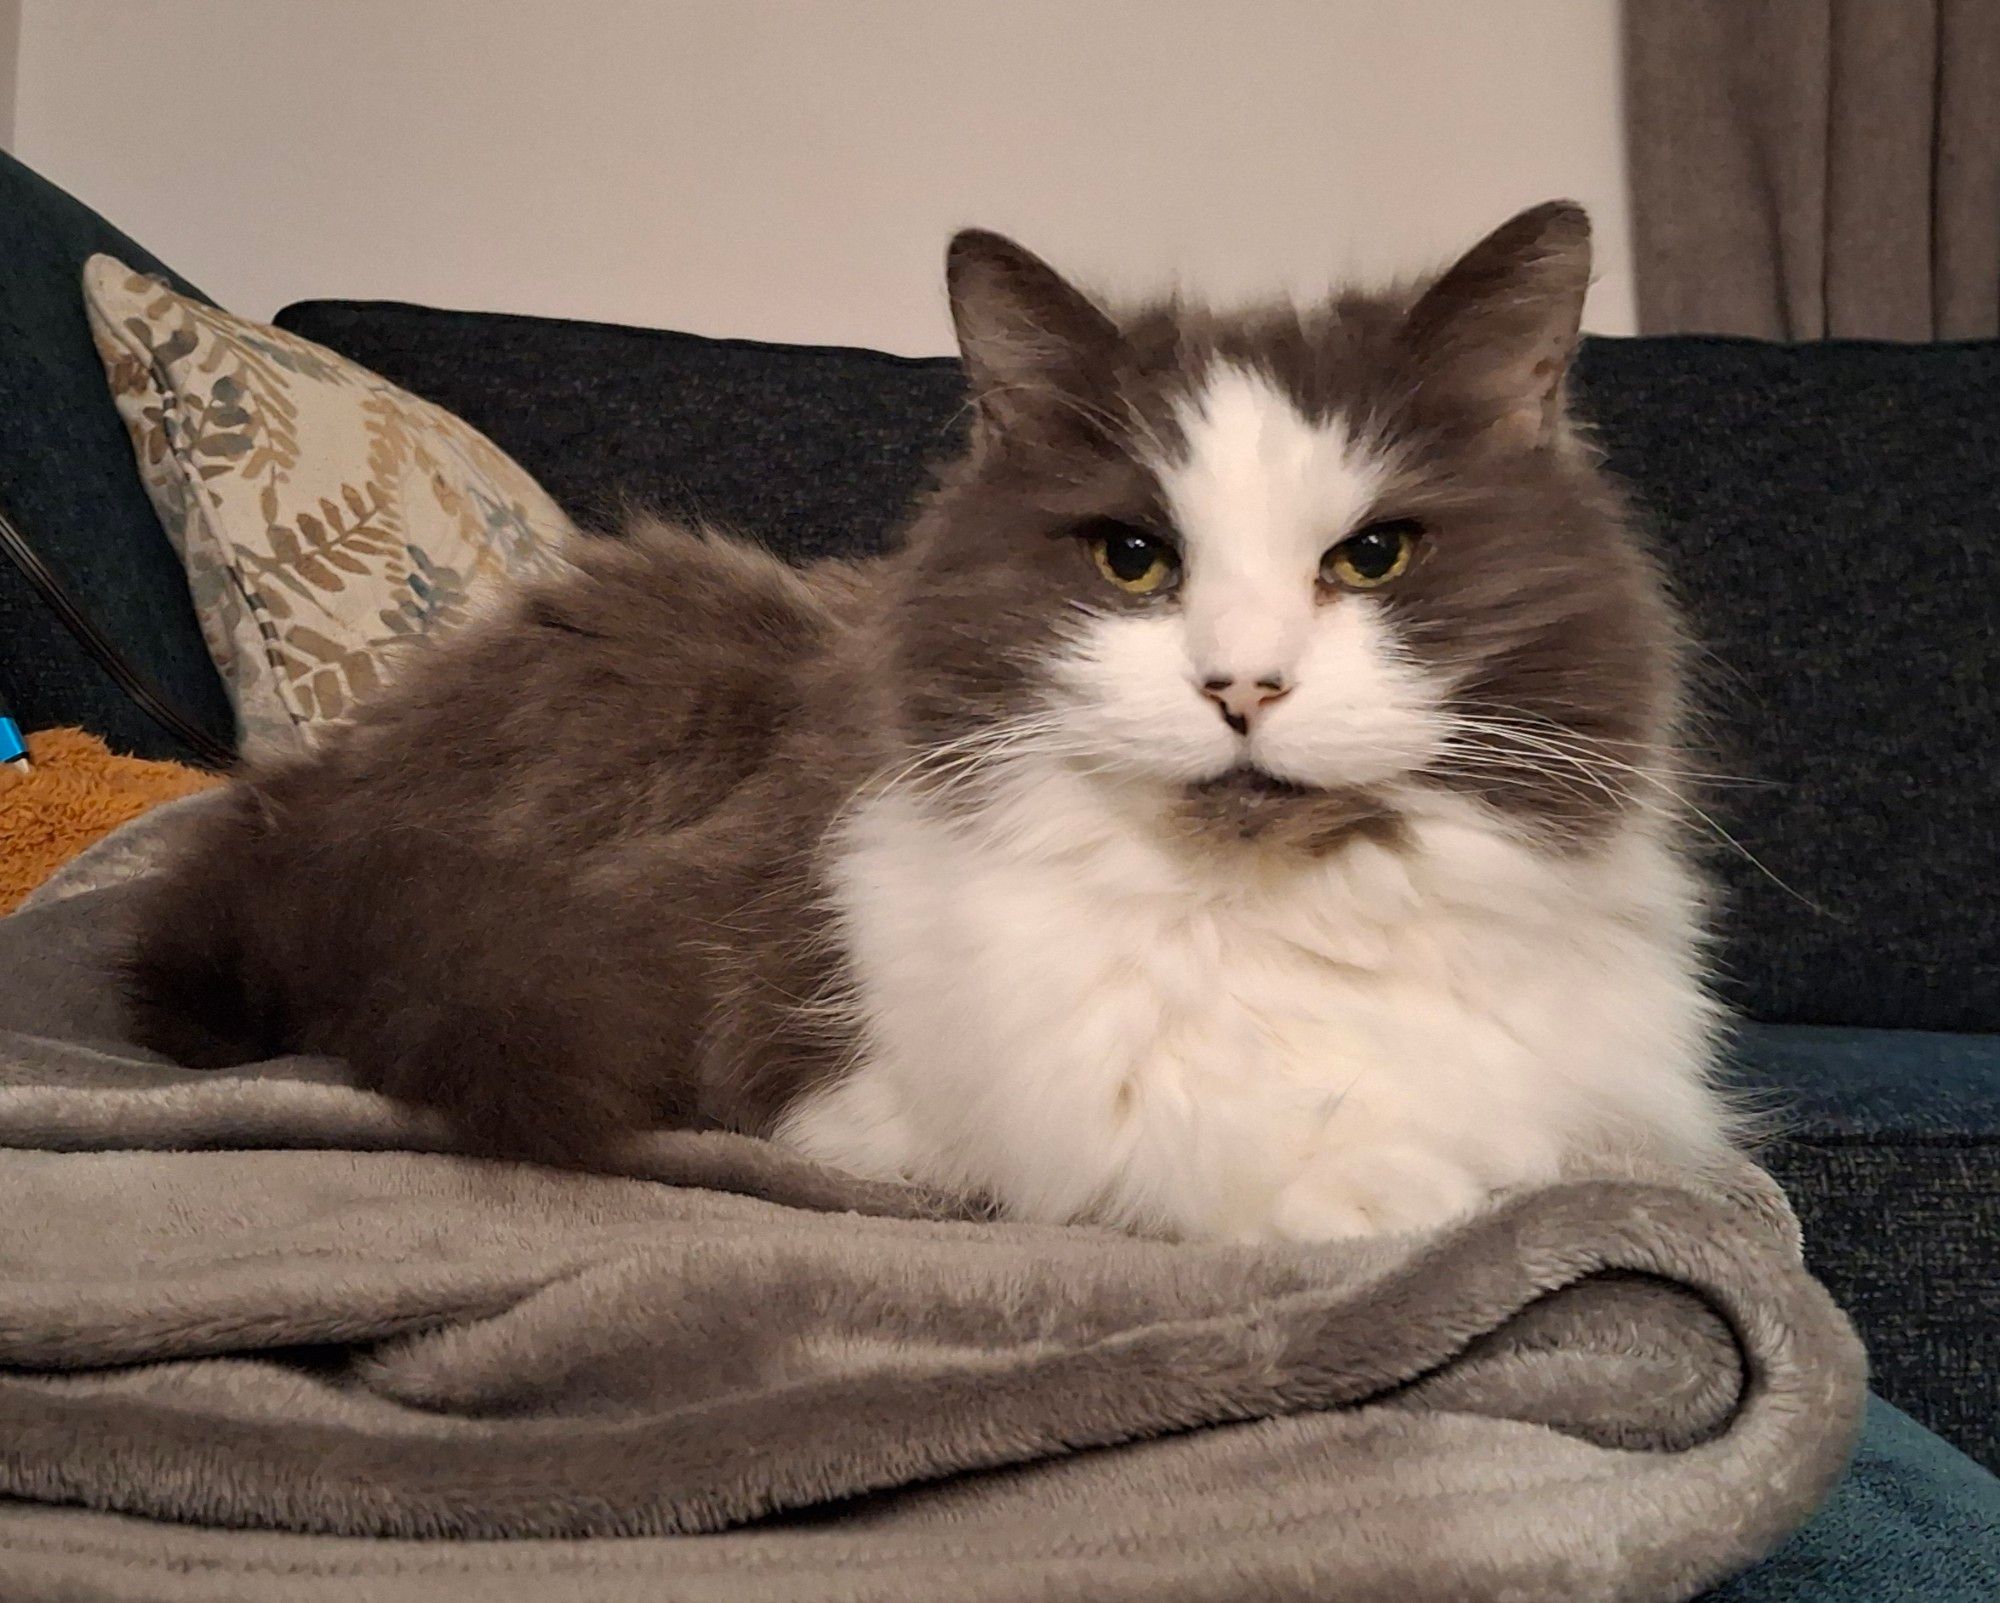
x: 1243, y: 806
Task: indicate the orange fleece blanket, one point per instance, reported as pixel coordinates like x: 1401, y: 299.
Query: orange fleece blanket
x: 76, y: 791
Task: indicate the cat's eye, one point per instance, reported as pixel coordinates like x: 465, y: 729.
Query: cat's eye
x: 1140, y: 564
x: 1373, y: 556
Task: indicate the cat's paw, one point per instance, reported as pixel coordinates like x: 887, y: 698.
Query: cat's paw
x: 1372, y: 1191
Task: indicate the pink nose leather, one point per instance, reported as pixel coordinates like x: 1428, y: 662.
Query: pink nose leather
x: 1243, y: 700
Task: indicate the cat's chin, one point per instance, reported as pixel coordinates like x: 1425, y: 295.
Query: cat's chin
x: 1252, y: 804
x: 1249, y: 782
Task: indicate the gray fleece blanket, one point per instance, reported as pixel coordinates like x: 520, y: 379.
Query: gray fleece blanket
x: 263, y: 1337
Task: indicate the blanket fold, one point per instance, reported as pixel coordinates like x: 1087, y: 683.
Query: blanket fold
x: 260, y: 1323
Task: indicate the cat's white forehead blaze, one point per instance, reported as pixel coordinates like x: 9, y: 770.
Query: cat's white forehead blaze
x: 1257, y: 496
x: 1261, y: 490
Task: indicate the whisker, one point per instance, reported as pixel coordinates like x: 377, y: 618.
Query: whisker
x: 1550, y: 730
x: 1583, y: 762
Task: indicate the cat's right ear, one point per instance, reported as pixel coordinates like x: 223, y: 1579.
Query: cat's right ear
x: 1031, y: 341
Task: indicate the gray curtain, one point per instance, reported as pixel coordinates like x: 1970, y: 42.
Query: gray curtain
x: 1811, y: 168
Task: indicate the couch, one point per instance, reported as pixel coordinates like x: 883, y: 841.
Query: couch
x: 1830, y: 515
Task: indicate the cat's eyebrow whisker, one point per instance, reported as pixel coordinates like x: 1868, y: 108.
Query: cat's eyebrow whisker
x: 1105, y: 424
x: 1146, y: 434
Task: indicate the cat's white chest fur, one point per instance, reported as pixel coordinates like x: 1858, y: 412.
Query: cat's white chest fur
x: 1068, y: 1011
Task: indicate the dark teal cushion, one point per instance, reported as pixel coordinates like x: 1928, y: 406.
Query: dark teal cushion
x: 1831, y: 514
x: 1913, y: 1522
x: 1889, y: 1146
x: 70, y: 490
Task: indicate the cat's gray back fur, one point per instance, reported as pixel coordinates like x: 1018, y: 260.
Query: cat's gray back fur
x: 559, y: 882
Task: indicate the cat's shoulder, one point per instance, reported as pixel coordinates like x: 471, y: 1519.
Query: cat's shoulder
x: 629, y: 691
x: 663, y: 582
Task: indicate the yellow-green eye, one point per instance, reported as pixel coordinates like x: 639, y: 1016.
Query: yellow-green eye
x: 1134, y: 560
x: 1374, y: 556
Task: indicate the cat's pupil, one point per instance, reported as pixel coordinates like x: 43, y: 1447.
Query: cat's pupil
x: 1130, y: 556
x: 1374, y: 552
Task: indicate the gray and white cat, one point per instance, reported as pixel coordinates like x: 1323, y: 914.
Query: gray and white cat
x: 1243, y: 806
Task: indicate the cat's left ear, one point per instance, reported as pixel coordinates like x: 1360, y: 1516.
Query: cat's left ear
x: 1500, y: 327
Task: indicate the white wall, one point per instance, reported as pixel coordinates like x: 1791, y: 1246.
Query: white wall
x: 790, y: 169
x: 10, y: 38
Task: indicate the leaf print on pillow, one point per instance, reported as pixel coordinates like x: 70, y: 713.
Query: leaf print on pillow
x: 325, y: 517
x: 436, y: 598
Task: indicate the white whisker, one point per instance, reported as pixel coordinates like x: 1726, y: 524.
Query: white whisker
x: 1516, y: 743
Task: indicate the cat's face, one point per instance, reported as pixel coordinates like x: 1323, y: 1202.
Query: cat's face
x: 1288, y: 569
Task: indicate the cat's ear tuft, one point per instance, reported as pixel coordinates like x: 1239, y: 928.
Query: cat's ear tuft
x: 1026, y: 334
x: 1501, y: 325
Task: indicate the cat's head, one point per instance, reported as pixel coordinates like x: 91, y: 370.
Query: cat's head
x: 1289, y: 568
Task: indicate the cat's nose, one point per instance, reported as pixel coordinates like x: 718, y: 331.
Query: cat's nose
x: 1243, y: 700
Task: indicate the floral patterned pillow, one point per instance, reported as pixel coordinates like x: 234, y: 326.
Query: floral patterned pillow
x: 325, y: 516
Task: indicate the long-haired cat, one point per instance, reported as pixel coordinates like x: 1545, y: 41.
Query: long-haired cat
x: 1242, y: 805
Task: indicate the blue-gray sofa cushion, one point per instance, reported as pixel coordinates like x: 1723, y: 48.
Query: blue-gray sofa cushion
x: 1888, y: 1142
x: 1913, y: 1522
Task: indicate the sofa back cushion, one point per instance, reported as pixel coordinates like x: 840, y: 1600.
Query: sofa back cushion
x: 81, y: 526
x: 815, y: 450
x: 1830, y: 515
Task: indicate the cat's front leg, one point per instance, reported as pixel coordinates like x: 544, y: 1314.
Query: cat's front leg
x: 1413, y: 1181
